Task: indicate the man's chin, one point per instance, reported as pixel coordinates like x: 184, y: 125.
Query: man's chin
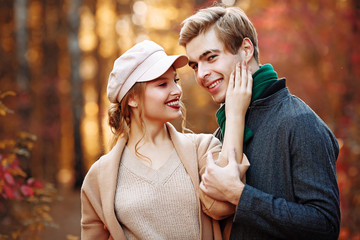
x: 218, y: 100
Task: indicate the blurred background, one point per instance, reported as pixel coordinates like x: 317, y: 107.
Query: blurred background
x: 55, y: 58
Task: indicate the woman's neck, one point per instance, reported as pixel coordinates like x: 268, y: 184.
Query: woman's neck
x: 155, y: 133
x: 154, y: 145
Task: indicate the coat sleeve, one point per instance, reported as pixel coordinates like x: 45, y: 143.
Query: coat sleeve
x: 217, y: 210
x: 92, y: 225
x: 315, y: 211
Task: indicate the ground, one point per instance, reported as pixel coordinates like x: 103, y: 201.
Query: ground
x: 66, y: 213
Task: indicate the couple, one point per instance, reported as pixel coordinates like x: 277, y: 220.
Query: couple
x: 157, y: 183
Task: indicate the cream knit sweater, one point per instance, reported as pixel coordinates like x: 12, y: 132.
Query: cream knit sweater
x: 156, y: 204
x: 98, y: 218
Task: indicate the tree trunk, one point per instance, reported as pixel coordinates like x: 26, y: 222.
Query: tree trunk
x: 22, y: 76
x: 20, y: 8
x: 76, y: 88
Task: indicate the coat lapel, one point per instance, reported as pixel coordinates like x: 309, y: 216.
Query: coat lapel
x: 186, y: 149
x: 108, y: 178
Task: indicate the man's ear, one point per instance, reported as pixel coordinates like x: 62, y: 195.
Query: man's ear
x: 133, y: 101
x: 248, y: 48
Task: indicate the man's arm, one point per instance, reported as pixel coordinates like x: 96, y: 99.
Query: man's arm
x: 237, y: 101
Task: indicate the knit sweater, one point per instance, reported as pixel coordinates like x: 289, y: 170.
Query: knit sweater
x: 156, y: 204
x: 98, y: 218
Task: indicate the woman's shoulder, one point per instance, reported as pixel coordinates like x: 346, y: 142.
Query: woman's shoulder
x: 93, y: 172
x: 203, y: 140
x: 200, y: 140
x: 107, y: 162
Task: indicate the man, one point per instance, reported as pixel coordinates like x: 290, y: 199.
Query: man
x: 291, y: 189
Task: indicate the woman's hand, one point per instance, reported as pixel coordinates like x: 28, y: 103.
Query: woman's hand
x: 238, y: 94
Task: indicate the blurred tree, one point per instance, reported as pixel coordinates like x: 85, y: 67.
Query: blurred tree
x: 76, y: 88
x: 22, y: 76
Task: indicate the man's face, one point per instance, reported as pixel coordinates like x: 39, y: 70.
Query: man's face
x: 212, y: 63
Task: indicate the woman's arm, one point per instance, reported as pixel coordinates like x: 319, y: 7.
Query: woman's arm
x: 92, y: 226
x: 237, y: 101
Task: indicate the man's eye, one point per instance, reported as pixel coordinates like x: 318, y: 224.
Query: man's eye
x: 194, y: 66
x: 211, y: 57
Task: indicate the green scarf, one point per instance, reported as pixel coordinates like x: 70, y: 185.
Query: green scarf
x: 262, y: 79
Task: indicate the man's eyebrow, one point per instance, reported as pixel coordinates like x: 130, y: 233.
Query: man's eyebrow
x: 209, y: 52
x: 203, y: 55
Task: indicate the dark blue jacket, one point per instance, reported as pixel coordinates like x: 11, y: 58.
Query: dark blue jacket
x: 291, y: 189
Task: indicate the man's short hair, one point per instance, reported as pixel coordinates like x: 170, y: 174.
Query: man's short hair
x: 231, y: 26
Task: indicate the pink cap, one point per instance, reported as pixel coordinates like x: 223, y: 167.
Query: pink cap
x: 143, y: 62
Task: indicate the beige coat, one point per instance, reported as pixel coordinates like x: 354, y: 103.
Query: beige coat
x: 98, y: 191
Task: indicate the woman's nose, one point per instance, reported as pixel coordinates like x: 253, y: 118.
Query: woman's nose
x: 176, y: 89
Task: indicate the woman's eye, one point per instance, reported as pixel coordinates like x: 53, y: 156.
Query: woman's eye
x: 162, y: 84
x: 176, y: 80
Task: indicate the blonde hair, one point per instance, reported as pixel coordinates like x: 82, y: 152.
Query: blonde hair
x: 231, y: 26
x: 119, y: 115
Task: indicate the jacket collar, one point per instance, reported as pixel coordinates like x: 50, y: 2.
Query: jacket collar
x: 272, y: 99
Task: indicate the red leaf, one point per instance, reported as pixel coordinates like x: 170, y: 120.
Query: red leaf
x: 9, y: 193
x: 9, y: 178
x: 26, y: 190
x: 35, y: 183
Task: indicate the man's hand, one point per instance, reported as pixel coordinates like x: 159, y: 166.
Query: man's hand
x: 222, y: 184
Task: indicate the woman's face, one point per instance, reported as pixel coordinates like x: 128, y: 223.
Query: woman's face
x: 162, y: 98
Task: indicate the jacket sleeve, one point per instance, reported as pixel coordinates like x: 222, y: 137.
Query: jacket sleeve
x: 315, y: 211
x: 217, y: 210
x: 92, y: 226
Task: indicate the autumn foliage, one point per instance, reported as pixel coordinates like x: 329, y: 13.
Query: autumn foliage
x: 24, y: 201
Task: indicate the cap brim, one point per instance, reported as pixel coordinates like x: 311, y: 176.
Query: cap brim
x: 161, y: 66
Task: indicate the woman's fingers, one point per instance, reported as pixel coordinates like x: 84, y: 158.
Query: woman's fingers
x: 243, y: 74
x: 241, y: 77
x: 249, y: 80
x: 231, y: 81
x: 238, y: 75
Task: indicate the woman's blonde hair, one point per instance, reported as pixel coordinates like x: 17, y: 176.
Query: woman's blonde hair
x: 119, y: 115
x: 230, y: 23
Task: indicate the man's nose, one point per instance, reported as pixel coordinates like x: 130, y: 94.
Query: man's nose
x: 203, y: 71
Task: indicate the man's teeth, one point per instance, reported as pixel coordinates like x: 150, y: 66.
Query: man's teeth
x: 173, y: 103
x: 214, y: 84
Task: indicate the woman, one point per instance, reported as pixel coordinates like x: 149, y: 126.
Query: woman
x: 147, y: 186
